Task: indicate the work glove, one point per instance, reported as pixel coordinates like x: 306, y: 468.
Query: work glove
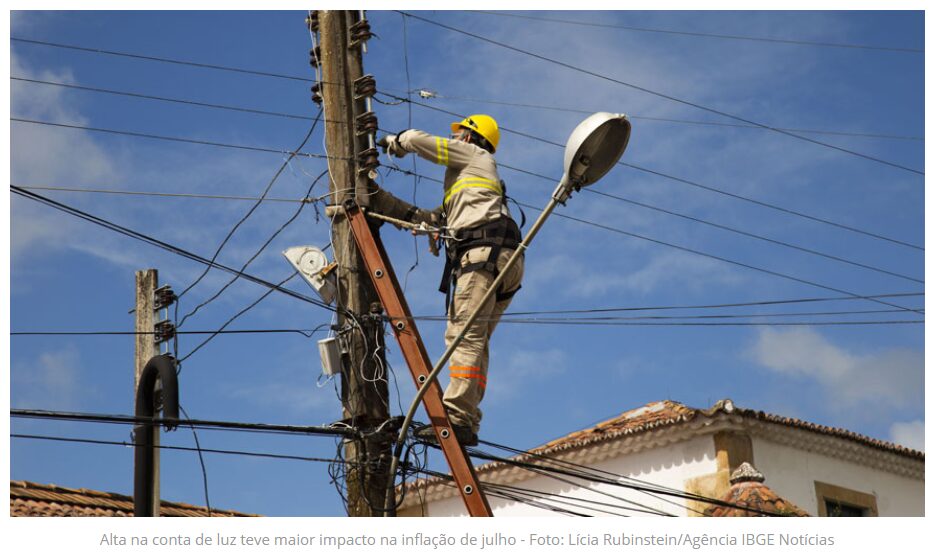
x: 389, y: 145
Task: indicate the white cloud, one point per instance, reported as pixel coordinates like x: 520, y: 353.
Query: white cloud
x: 910, y: 434
x: 298, y: 399
x: 53, y: 380
x: 51, y: 156
x: 509, y: 373
x: 889, y: 379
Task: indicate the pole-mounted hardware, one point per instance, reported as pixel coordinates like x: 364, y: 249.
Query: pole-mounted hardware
x: 313, y: 21
x: 160, y: 373
x: 315, y: 57
x: 359, y: 33
x: 164, y: 297
x: 164, y: 331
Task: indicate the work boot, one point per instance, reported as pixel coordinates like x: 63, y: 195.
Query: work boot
x: 465, y: 435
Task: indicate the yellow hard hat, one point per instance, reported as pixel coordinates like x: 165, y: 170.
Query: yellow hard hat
x: 486, y: 126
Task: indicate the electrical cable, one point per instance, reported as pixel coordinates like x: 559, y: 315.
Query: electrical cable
x: 183, y: 101
x: 261, y: 249
x: 251, y: 427
x: 722, y: 259
x: 660, y: 490
x: 164, y: 194
x: 704, y: 35
x: 410, y: 124
x: 760, y: 237
x: 245, y: 217
x: 166, y: 138
x: 305, y: 333
x: 796, y: 213
x: 669, y: 177
x: 432, y: 94
x: 235, y: 316
x: 160, y: 59
x: 715, y: 257
x: 663, y: 95
x: 160, y: 244
x: 721, y: 305
x: 172, y: 448
x: 200, y: 456
x: 637, y: 507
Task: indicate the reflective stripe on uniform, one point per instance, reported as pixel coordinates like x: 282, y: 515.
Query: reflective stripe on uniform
x: 442, y: 151
x: 469, y: 182
x: 468, y: 372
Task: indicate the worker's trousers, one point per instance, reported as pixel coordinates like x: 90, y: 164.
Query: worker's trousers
x: 468, y: 365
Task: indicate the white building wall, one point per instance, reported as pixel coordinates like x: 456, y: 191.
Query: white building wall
x: 669, y: 465
x: 792, y: 472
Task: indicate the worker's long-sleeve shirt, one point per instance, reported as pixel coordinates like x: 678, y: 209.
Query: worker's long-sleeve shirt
x: 472, y: 190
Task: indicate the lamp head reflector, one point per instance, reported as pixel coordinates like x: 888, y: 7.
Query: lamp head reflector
x: 594, y: 147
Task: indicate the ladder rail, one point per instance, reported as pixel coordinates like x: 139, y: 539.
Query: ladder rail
x: 418, y: 362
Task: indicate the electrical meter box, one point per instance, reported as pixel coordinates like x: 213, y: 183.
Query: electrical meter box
x: 329, y: 355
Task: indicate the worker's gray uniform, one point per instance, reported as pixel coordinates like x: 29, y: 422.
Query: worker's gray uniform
x: 472, y: 196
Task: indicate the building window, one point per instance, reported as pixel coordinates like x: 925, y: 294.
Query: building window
x: 840, y: 501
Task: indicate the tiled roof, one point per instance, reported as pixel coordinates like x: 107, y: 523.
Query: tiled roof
x: 755, y: 495
x: 747, y: 490
x: 667, y: 414
x: 31, y: 499
x: 661, y: 414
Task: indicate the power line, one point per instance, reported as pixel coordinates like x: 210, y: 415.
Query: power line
x: 705, y: 35
x: 722, y: 259
x: 432, y: 94
x: 305, y: 333
x: 162, y: 60
x: 759, y: 237
x: 671, y: 178
x: 200, y: 457
x: 161, y: 244
x: 768, y: 205
x: 342, y: 431
x: 566, y: 322
x: 237, y: 315
x: 663, y: 95
x: 629, y: 201
x: 172, y: 139
x: 164, y: 194
x: 172, y: 448
x: 245, y: 217
x: 723, y: 305
x: 773, y: 206
x: 719, y: 258
x: 172, y: 100
x: 642, y: 487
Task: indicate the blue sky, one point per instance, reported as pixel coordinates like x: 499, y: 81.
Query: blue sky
x: 545, y: 380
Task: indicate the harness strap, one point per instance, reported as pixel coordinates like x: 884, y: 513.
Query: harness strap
x: 497, y: 234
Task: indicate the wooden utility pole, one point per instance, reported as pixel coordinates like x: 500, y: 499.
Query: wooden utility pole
x: 146, y: 283
x: 364, y: 377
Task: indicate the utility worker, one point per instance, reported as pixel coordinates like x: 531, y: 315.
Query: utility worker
x: 483, y: 239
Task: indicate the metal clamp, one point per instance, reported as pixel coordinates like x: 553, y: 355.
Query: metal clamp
x: 364, y: 87
x: 164, y: 297
x: 315, y: 94
x: 366, y: 123
x: 359, y: 32
x: 313, y: 21
x: 367, y: 160
x: 164, y: 331
x: 315, y: 57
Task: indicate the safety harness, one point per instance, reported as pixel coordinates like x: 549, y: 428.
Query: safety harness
x: 498, y: 234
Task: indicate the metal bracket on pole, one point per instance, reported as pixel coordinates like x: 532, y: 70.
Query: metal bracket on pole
x: 415, y: 354
x: 160, y: 369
